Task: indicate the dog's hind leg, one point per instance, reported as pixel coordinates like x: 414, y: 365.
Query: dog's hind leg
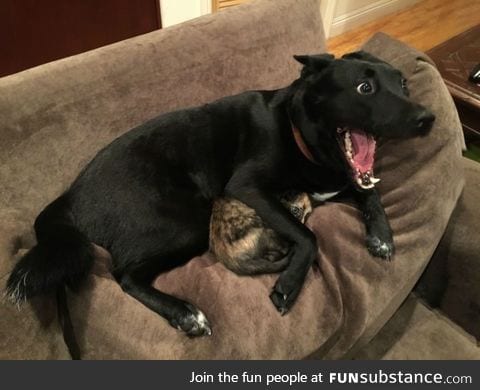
x: 168, y: 244
x: 180, y: 314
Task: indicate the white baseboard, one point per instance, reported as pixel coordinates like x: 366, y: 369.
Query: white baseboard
x: 345, y: 22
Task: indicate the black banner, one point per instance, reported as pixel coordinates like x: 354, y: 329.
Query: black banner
x: 241, y: 374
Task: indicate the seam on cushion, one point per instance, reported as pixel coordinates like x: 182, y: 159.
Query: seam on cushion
x: 425, y: 58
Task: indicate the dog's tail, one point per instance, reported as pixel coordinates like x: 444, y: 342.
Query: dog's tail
x: 62, y: 257
x: 257, y: 266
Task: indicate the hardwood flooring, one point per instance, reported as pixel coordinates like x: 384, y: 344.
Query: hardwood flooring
x: 423, y: 26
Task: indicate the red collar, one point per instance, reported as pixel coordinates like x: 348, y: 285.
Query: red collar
x: 301, y: 144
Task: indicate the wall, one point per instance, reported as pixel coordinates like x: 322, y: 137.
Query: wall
x: 177, y: 11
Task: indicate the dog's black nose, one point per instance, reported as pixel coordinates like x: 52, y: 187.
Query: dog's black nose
x: 425, y: 121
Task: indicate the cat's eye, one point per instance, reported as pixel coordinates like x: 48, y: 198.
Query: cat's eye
x: 296, y: 211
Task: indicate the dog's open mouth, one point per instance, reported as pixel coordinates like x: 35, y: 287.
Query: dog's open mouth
x: 359, y: 150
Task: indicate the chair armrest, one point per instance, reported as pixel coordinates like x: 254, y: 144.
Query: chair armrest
x: 452, y: 278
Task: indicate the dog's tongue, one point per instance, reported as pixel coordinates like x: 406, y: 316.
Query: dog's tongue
x: 364, y: 149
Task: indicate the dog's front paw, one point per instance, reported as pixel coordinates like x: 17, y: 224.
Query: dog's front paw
x: 285, y: 292
x: 192, y: 321
x: 380, y: 248
x: 290, y: 283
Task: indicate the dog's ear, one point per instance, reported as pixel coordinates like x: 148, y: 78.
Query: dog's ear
x: 362, y: 55
x: 316, y: 62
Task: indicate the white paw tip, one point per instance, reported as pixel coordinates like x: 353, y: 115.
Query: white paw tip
x: 201, y: 319
x: 384, y: 247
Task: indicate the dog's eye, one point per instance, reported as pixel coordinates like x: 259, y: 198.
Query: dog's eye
x: 365, y: 88
x: 404, y: 83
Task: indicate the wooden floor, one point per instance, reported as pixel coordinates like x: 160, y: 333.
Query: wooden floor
x: 422, y: 26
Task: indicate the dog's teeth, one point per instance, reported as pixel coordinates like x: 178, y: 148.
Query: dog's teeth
x: 363, y: 185
x: 348, y: 144
x: 374, y: 180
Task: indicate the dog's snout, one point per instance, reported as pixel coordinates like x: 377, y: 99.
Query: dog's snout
x: 424, y: 121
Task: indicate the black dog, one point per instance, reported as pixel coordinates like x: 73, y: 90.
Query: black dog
x: 147, y: 196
